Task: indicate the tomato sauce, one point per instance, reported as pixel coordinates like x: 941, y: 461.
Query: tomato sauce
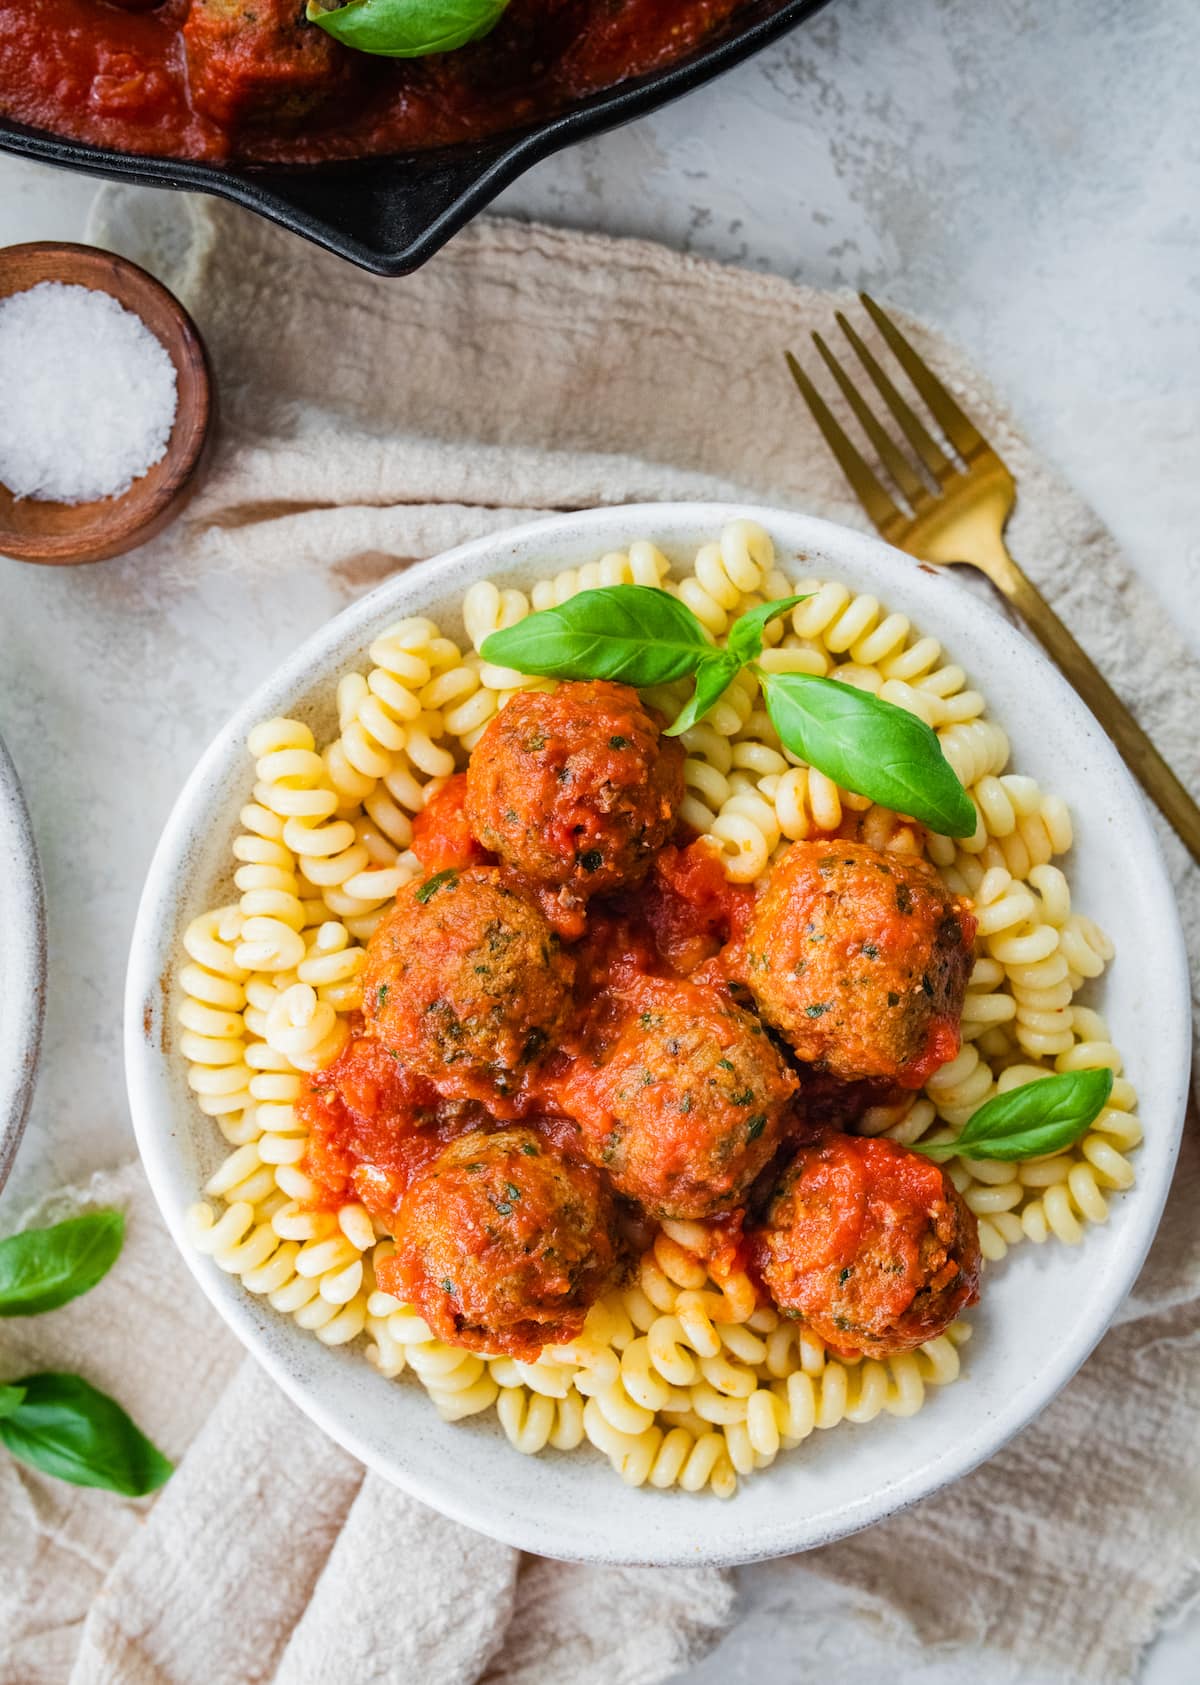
x: 373, y: 1125
x: 442, y: 839
x: 117, y: 76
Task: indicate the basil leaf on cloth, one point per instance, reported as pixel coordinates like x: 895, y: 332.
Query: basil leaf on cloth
x: 41, y: 1269
x: 66, y: 1428
x: 10, y: 1398
x: 1040, y: 1117
x: 634, y: 633
x: 407, y: 29
x: 871, y: 747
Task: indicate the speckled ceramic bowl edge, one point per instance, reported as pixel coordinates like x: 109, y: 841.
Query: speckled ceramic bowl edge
x: 22, y: 963
x: 574, y: 1507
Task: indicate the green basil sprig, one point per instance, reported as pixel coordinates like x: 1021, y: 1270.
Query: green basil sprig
x: 643, y: 636
x: 714, y: 676
x: 41, y: 1269
x: 1042, y: 1116
x: 871, y: 746
x: 633, y: 633
x: 407, y: 29
x: 58, y: 1423
x: 65, y: 1428
x: 720, y: 667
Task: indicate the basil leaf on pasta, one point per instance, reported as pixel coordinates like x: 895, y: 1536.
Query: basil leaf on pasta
x: 407, y: 28
x: 745, y: 639
x: 713, y: 679
x: 634, y: 633
x: 1040, y: 1117
x: 871, y: 747
x: 41, y: 1269
x: 66, y: 1428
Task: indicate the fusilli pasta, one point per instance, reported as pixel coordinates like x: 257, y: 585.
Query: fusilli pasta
x: 681, y: 1378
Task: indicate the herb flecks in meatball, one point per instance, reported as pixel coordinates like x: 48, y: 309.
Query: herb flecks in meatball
x: 503, y: 1245
x: 869, y: 1243
x: 465, y: 982
x: 575, y: 789
x: 860, y: 960
x: 683, y: 1103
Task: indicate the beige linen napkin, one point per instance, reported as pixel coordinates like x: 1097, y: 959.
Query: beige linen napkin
x: 272, y: 1555
x: 367, y: 423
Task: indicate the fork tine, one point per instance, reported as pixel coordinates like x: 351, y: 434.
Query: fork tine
x: 930, y: 453
x: 890, y: 455
x: 958, y: 428
x: 867, y: 488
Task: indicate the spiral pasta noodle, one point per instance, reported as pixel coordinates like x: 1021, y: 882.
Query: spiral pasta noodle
x: 680, y: 1377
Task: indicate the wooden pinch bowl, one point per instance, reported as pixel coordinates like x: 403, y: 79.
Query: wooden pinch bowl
x: 38, y: 530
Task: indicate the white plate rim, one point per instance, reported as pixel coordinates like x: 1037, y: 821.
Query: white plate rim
x: 22, y: 965
x: 588, y: 1538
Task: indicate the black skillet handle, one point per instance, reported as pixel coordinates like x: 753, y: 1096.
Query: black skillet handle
x: 388, y: 215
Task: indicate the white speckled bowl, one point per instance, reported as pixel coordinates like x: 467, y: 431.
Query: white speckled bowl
x: 1043, y: 1309
x: 22, y: 963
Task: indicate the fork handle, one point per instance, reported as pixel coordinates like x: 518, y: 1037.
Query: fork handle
x: 1138, y: 752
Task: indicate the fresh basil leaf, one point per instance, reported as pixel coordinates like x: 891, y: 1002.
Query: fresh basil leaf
x: 871, y: 747
x: 44, y: 1268
x: 634, y: 633
x: 66, y: 1428
x: 10, y: 1397
x: 1042, y: 1116
x: 407, y: 29
x: 745, y: 638
x: 713, y: 679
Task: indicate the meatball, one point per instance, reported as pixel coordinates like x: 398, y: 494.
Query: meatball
x: 870, y: 1244
x: 576, y: 789
x: 860, y: 960
x: 466, y: 983
x: 502, y: 1245
x: 684, y: 1102
x: 260, y: 60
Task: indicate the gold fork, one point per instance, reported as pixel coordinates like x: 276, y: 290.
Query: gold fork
x: 956, y: 511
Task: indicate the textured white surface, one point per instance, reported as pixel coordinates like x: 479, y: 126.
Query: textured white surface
x: 1025, y: 176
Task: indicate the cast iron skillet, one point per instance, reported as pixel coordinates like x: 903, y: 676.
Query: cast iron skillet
x: 391, y: 214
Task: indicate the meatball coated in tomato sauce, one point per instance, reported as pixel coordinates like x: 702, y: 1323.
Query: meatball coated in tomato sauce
x: 503, y: 1245
x: 575, y: 789
x: 466, y: 983
x: 682, y: 1100
x: 860, y: 960
x: 260, y: 61
x: 870, y: 1244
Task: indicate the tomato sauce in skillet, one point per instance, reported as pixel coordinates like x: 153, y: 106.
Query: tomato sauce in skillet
x: 251, y: 80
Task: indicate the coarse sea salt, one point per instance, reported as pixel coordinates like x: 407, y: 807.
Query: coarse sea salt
x: 87, y: 394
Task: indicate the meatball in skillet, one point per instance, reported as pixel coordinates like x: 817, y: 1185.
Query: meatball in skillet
x: 261, y: 61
